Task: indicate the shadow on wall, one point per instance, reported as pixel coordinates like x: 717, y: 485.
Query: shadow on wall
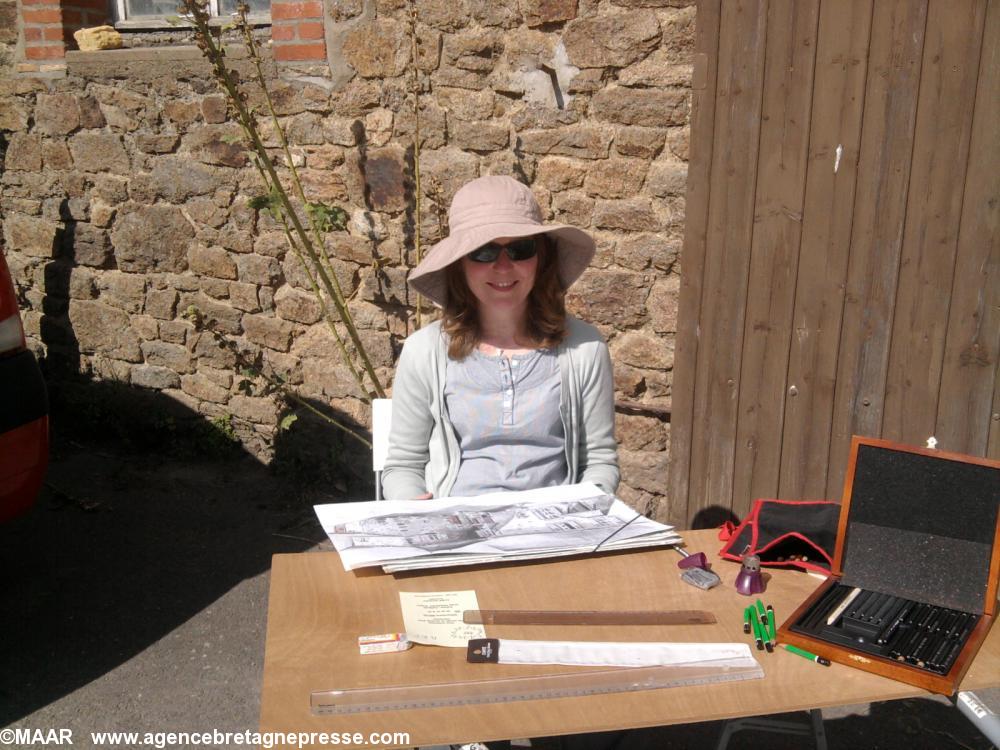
x: 150, y: 514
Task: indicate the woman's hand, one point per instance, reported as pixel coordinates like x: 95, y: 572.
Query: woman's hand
x: 425, y: 496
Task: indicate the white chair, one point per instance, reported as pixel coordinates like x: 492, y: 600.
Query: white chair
x: 381, y: 419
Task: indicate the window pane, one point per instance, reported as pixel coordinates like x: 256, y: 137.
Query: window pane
x: 136, y: 8
x: 256, y: 6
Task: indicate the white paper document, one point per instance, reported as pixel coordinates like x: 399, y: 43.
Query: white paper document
x: 415, y: 534
x: 435, y: 617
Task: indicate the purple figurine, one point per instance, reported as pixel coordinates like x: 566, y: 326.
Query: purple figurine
x: 750, y: 581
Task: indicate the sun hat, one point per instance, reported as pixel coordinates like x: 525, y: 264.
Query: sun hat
x: 485, y: 210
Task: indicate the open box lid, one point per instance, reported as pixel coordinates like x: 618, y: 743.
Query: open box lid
x: 921, y: 524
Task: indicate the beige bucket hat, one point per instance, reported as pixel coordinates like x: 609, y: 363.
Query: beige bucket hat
x: 489, y: 208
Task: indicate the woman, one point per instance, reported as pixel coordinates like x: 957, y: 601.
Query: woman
x: 505, y: 392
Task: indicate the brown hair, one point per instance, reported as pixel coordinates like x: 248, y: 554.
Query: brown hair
x: 546, y: 309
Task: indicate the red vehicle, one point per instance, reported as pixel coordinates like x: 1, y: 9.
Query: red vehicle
x: 24, y: 410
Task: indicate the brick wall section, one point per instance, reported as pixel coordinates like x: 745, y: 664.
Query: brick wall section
x: 297, y: 30
x: 49, y: 25
x: 124, y: 200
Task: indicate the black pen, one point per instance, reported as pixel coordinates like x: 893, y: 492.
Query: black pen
x: 898, y: 620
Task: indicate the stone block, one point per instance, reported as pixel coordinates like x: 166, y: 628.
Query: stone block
x: 642, y: 350
x: 173, y: 331
x: 540, y: 116
x: 55, y: 154
x: 639, y: 252
x: 386, y: 286
x: 573, y: 208
x: 378, y: 49
x: 480, y: 136
x: 182, y: 112
x: 175, y: 179
x: 557, y: 173
x: 258, y: 269
x: 211, y: 261
x: 332, y: 379
x: 323, y: 187
x: 87, y: 244
x: 629, y: 382
x: 173, y: 356
x: 254, y: 409
x: 244, y: 296
x: 24, y: 153
x: 474, y: 51
x: 211, y: 351
x: 667, y: 178
x: 202, y: 388
x: 678, y: 140
x: 99, y: 152
x: 152, y: 238
x: 639, y: 141
x: 267, y: 331
x: 126, y: 291
x: 56, y: 114
x: 161, y: 303
x: 463, y: 104
x: 90, y: 112
x: 214, y: 109
x: 146, y: 327
x: 646, y: 470
x: 433, y: 124
x: 81, y: 283
x: 657, y: 70
x: 617, y: 178
x: 648, y: 107
x: 14, y: 114
x: 31, y: 236
x: 443, y: 171
x: 632, y: 214
x: 611, y: 40
x: 110, y: 189
x: 218, y: 315
x: 614, y: 298
x: 540, y: 12
x: 324, y: 157
x: 384, y: 178
x: 492, y: 13
x: 218, y: 145
x: 581, y: 141
x: 663, y: 303
x: 155, y: 377
x: 100, y: 328
x: 214, y: 288
x: 446, y: 15
x: 300, y: 307
x: 637, y: 433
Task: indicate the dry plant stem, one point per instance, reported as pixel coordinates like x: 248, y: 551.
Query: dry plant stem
x: 330, y: 281
x: 418, y: 249
x: 215, y: 54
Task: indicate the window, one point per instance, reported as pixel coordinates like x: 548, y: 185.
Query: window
x: 140, y: 14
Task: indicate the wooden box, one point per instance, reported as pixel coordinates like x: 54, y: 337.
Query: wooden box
x: 919, y: 538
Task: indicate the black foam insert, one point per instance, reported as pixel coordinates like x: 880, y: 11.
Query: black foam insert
x: 921, y: 527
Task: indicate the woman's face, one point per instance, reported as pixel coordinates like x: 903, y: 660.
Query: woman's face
x: 504, y: 284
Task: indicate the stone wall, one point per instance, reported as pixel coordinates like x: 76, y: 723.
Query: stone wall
x: 124, y: 201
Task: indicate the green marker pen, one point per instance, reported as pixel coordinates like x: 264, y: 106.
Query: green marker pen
x: 770, y: 624
x: 806, y: 655
x: 758, y: 637
x: 747, y: 614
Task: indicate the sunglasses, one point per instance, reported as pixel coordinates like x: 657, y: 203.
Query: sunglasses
x: 518, y: 250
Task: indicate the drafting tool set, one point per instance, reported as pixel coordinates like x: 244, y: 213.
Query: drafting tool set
x: 920, y: 635
x: 913, y: 591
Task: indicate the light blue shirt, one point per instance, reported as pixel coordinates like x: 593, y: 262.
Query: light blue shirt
x: 505, y: 412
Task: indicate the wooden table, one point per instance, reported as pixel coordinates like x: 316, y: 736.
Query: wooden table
x: 317, y: 610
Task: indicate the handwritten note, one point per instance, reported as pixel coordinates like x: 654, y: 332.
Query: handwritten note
x: 435, y: 617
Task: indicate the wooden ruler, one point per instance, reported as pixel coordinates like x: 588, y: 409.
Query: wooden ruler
x: 587, y: 617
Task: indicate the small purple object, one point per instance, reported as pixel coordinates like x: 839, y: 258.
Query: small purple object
x: 696, y: 560
x: 749, y: 581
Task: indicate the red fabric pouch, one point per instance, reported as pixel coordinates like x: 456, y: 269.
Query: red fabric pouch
x: 785, y: 533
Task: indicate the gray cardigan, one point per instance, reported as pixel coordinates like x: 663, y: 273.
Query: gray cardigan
x: 423, y: 451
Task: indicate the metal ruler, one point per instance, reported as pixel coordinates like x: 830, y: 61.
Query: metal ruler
x: 541, y: 687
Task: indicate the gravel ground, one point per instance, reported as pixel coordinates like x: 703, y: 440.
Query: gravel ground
x: 135, y: 596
